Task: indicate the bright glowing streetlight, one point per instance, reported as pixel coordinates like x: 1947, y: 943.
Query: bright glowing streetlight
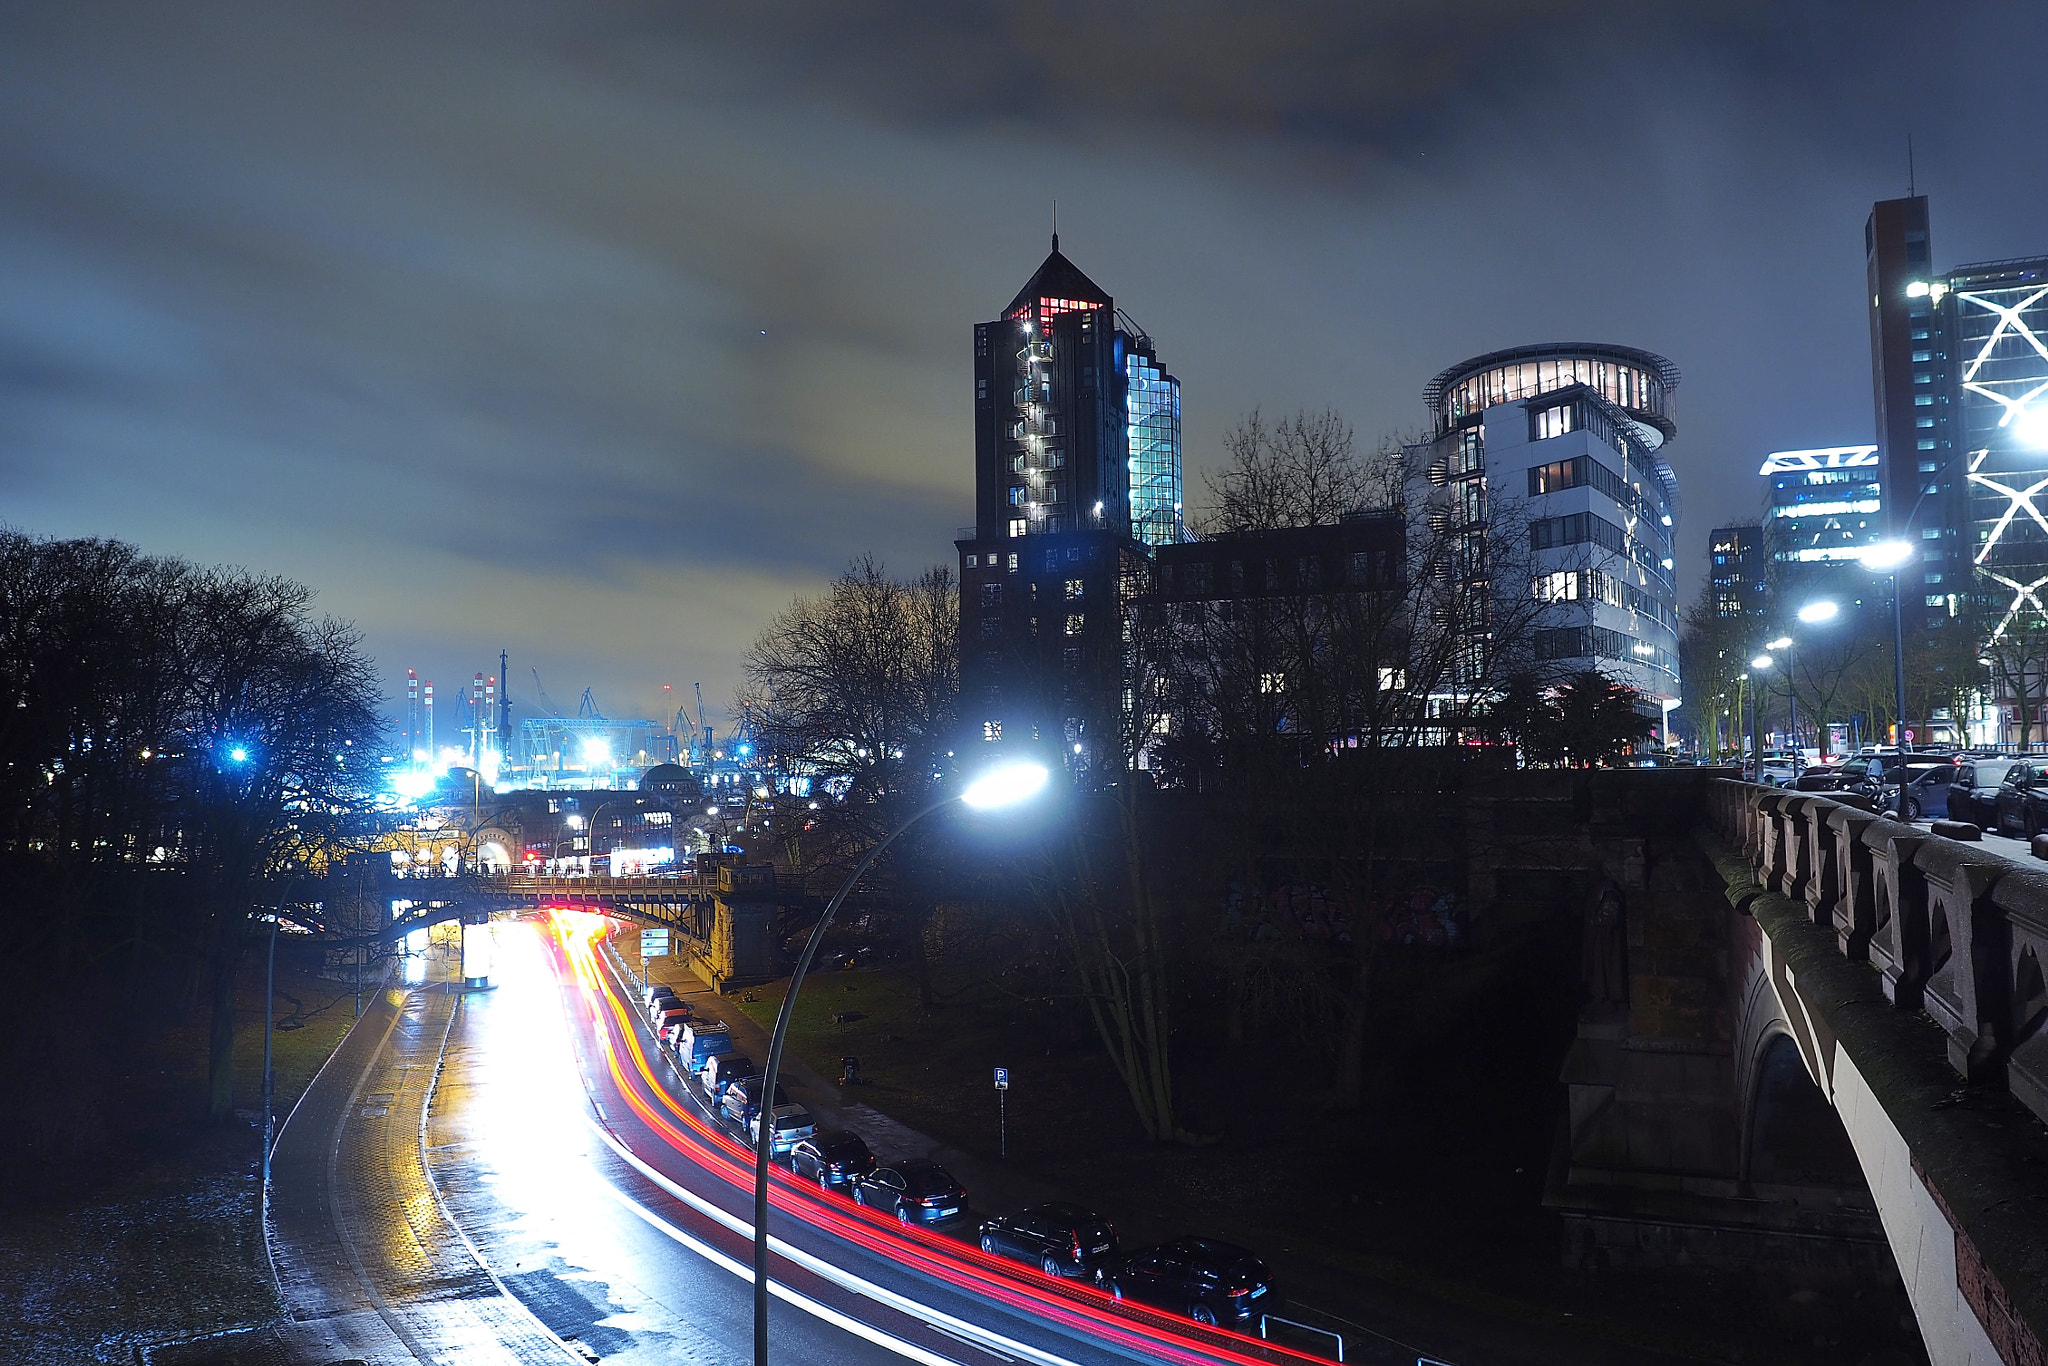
x: 1781, y: 643
x: 1820, y: 611
x: 1003, y: 786
x: 1885, y: 556
x: 1762, y: 662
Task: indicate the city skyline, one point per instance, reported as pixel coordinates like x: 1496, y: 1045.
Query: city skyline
x: 684, y: 308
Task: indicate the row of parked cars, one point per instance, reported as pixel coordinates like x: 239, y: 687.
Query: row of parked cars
x: 1209, y: 1281
x: 2006, y: 793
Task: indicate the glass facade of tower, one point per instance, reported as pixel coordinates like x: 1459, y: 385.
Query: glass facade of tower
x: 1152, y: 403
x: 1997, y: 319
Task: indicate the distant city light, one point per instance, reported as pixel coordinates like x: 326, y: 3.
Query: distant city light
x: 1918, y: 289
x: 239, y: 755
x: 1885, y: 556
x: 596, y: 751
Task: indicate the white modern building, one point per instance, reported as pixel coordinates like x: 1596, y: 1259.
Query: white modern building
x: 1570, y: 436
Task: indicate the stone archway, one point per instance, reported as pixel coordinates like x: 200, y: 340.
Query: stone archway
x: 1793, y: 1141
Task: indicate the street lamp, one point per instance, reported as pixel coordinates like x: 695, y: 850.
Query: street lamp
x: 1889, y: 557
x: 1762, y: 665
x: 1813, y: 614
x: 1005, y: 785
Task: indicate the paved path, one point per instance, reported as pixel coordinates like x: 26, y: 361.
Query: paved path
x: 368, y: 1264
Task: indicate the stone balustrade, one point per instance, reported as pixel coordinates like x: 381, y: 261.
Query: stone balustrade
x: 1949, y: 927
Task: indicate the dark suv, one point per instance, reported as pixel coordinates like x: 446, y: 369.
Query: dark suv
x: 1210, y: 1282
x: 1973, y: 792
x: 832, y: 1157
x: 1059, y: 1239
x: 2022, y: 796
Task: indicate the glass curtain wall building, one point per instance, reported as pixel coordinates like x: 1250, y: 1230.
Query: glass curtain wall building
x: 1152, y: 415
x: 1735, y: 556
x: 1077, y: 475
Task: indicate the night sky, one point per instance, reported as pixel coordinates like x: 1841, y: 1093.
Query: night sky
x: 594, y: 331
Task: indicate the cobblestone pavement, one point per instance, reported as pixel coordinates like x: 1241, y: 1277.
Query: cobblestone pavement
x: 368, y: 1264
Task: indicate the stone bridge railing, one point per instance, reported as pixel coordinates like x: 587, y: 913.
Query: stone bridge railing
x: 1951, y: 928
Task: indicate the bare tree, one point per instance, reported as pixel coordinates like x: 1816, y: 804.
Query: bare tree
x: 1304, y: 470
x: 858, y: 689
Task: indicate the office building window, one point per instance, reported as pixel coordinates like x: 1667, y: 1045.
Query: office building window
x: 1075, y: 623
x: 991, y: 626
x: 991, y: 730
x: 1076, y: 587
x: 1071, y: 657
x: 1553, y: 422
x: 1013, y: 554
x: 1017, y: 526
x: 991, y: 595
x: 1016, y: 495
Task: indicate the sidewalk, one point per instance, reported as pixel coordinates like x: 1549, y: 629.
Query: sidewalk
x: 368, y: 1265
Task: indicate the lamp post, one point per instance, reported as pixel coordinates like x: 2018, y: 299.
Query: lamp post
x: 1006, y: 785
x: 1813, y: 614
x: 1760, y: 664
x: 1888, y: 557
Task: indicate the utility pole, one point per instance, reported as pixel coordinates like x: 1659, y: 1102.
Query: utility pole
x: 269, y: 1075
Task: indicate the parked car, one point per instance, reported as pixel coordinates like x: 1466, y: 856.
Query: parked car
x: 673, y: 1034
x: 1924, y: 795
x: 1779, y: 768
x: 1059, y: 1239
x: 740, y: 1101
x: 916, y: 1192
x: 1973, y: 792
x: 725, y: 1069
x: 793, y: 1123
x: 664, y: 1016
x: 1209, y: 1281
x: 836, y: 1157
x: 2018, y: 809
x: 701, y: 1041
x: 664, y: 1001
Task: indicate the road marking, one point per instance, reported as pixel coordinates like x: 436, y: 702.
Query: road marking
x: 975, y: 1345
x: 886, y: 1341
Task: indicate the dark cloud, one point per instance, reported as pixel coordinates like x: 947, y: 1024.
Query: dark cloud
x: 597, y: 330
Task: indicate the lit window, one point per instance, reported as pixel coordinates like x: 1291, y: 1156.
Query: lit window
x: 991, y: 730
x: 1272, y: 682
x: 1075, y: 623
x: 1392, y: 680
x: 1016, y: 529
x: 1055, y: 458
x: 1016, y: 495
x: 991, y: 595
x: 1554, y: 422
x: 1930, y: 533
x: 1923, y: 400
x: 1935, y: 599
x: 1077, y: 587
x: 970, y: 561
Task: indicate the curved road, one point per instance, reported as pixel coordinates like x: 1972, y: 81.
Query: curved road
x: 583, y: 1206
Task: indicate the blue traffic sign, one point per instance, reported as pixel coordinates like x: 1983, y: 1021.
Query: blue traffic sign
x: 1002, y: 1079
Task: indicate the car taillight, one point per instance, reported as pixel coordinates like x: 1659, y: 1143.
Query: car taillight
x: 1240, y: 1291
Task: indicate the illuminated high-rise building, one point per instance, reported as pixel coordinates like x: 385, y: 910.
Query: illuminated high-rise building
x: 1077, y: 477
x: 1996, y: 319
x: 1921, y: 480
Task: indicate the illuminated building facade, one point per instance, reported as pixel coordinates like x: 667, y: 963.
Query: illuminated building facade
x: 1077, y: 476
x: 1570, y: 435
x: 1996, y: 317
x: 1735, y: 556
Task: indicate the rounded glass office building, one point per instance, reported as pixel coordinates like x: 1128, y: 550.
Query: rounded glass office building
x: 1637, y: 382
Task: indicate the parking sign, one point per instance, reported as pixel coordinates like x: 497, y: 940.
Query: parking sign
x: 1002, y: 1079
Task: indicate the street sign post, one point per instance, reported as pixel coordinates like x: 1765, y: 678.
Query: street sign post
x: 653, y: 944
x: 1002, y: 1112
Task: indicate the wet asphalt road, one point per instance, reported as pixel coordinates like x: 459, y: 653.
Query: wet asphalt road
x: 591, y: 1182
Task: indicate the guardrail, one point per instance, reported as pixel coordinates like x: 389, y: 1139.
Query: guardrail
x: 1265, y: 1319
x: 1951, y: 928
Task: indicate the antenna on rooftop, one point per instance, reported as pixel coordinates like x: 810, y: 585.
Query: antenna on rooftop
x: 1909, y: 165
x: 1055, y: 225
